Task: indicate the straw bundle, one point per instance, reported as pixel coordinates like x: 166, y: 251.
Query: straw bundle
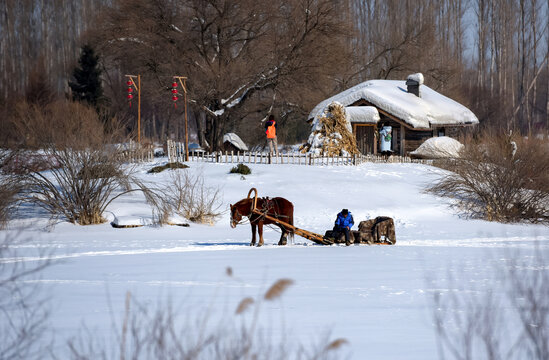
x: 332, y: 134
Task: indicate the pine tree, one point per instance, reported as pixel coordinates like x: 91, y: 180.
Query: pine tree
x: 87, y: 85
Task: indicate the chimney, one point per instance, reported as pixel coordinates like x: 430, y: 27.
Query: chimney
x: 413, y: 83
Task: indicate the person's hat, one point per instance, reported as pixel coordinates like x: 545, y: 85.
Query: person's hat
x: 345, y: 212
x: 271, y: 117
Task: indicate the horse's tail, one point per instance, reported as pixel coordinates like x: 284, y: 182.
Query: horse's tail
x: 291, y: 222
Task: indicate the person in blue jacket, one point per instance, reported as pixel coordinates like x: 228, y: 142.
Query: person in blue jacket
x: 343, y: 224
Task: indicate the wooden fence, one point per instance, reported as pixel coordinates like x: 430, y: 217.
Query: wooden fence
x: 176, y: 152
x: 133, y: 152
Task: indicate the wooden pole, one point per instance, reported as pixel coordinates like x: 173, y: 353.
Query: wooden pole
x: 186, y: 127
x: 138, y: 88
x: 139, y: 108
x: 183, y: 82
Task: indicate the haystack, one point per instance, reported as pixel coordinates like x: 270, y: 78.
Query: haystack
x: 331, y: 134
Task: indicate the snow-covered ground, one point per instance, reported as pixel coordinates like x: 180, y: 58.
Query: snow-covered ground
x: 376, y: 297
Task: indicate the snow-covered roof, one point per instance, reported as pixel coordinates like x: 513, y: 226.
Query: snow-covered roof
x: 362, y: 114
x: 432, y: 108
x: 235, y: 140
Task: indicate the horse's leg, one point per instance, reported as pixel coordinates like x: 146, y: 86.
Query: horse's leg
x: 260, y: 231
x: 253, y: 235
x: 283, y: 240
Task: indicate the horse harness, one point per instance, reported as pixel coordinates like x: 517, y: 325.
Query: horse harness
x: 267, y: 204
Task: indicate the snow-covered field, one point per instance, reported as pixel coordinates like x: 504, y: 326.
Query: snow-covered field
x: 376, y: 297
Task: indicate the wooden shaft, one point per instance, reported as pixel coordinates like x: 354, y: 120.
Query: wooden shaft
x: 304, y: 233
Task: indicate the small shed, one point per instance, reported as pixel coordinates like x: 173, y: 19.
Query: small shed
x: 232, y: 142
x: 414, y: 111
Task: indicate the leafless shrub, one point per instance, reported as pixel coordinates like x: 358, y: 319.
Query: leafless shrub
x: 498, y: 179
x: 190, y: 197
x: 87, y: 173
x: 161, y: 333
x: 83, y: 184
x: 508, y: 319
x: 10, y: 189
x: 23, y: 308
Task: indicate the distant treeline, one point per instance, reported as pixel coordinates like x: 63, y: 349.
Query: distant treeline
x: 247, y: 59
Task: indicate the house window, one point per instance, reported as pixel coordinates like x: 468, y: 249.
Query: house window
x: 441, y: 132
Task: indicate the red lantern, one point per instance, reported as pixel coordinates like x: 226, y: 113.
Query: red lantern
x: 174, y: 93
x: 130, y: 90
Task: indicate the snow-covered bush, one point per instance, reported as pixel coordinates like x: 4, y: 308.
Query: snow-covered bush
x: 499, y: 180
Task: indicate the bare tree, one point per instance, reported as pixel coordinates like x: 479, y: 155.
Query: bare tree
x: 243, y: 59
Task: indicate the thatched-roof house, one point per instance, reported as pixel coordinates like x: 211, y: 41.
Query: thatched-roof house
x: 414, y: 111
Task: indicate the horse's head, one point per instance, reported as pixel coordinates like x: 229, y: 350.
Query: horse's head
x: 236, y: 216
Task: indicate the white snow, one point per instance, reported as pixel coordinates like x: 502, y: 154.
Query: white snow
x: 376, y: 297
x: 362, y: 114
x: 235, y: 140
x: 439, y: 147
x: 417, y: 77
x: 391, y: 96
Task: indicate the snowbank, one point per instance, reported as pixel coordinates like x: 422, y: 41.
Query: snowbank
x: 438, y: 147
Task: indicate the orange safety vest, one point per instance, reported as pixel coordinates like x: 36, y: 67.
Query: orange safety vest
x: 271, y: 131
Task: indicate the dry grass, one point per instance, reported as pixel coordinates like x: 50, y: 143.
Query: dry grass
x: 278, y: 288
x: 160, y: 333
x: 244, y: 305
x: 23, y: 305
x: 189, y: 196
x: 506, y: 318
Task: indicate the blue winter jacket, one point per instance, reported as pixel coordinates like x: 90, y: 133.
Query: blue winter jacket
x: 342, y: 221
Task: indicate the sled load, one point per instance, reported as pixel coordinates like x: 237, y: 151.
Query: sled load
x: 378, y: 231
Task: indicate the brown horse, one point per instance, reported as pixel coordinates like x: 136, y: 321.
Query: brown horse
x: 277, y: 207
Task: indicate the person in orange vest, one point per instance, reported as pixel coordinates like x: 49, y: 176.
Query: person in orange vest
x: 270, y: 130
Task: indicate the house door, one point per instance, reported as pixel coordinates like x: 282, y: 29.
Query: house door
x: 365, y: 140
